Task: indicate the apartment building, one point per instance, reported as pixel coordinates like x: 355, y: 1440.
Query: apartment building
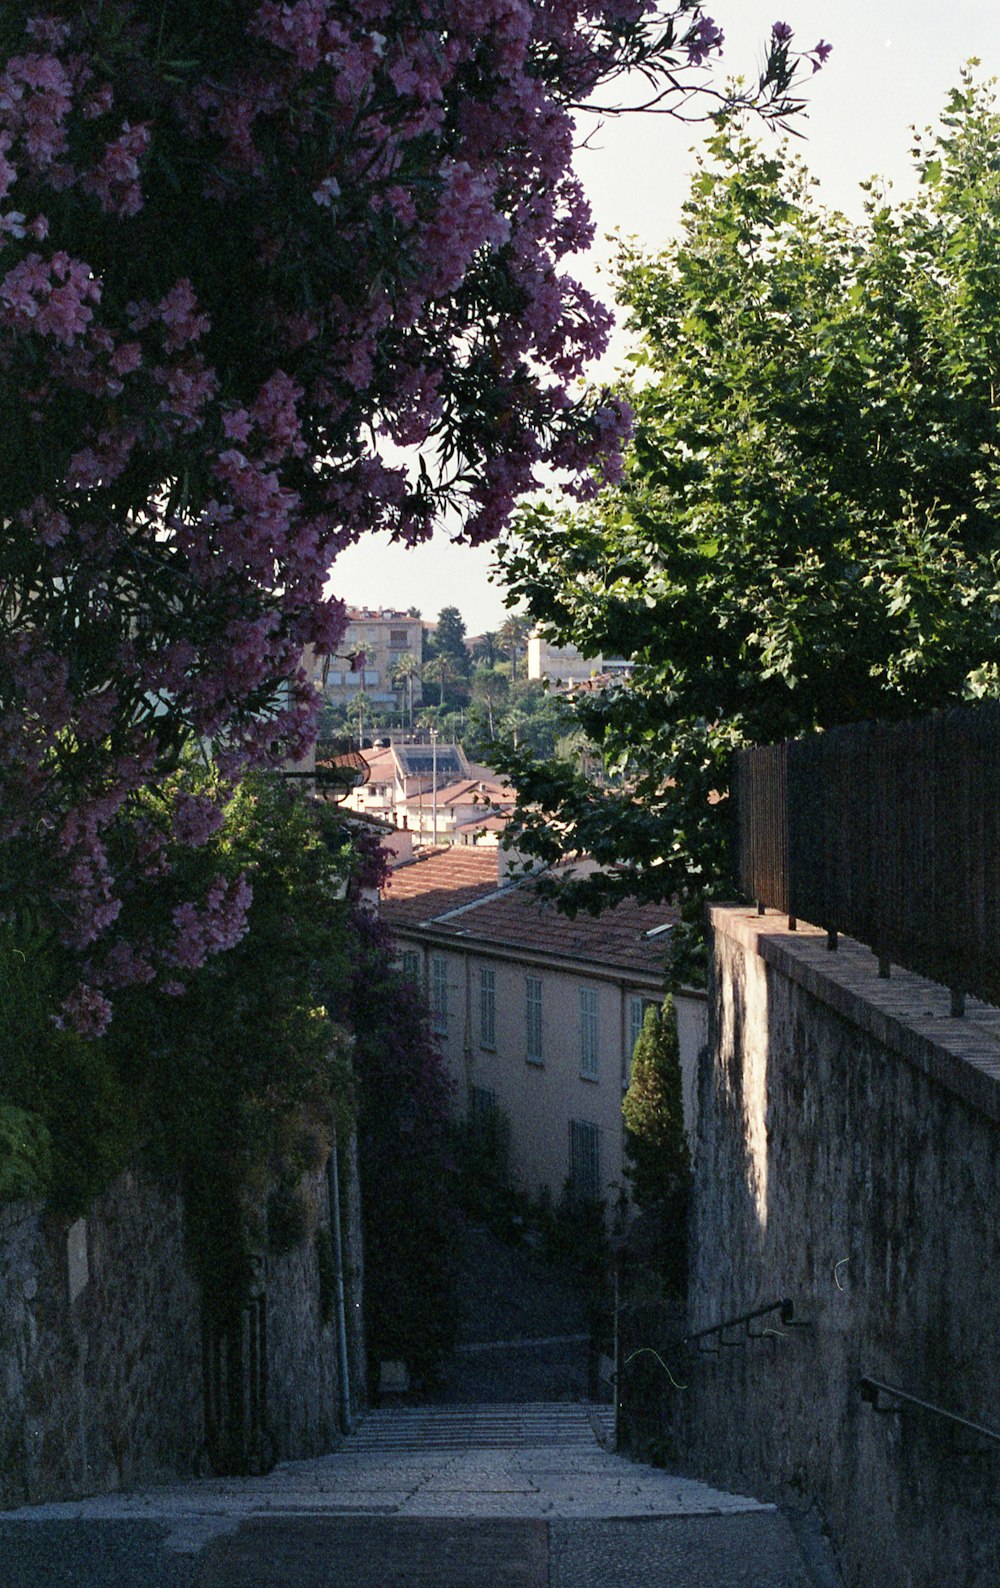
x: 562, y: 664
x: 536, y: 1014
x: 385, y: 637
x: 565, y: 668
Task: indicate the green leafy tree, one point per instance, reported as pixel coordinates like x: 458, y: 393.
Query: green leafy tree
x: 486, y: 650
x: 806, y: 532
x: 450, y: 637
x: 512, y: 638
x: 523, y: 715
x: 489, y: 697
x: 441, y: 670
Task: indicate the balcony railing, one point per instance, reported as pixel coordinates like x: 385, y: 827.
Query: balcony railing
x: 889, y: 833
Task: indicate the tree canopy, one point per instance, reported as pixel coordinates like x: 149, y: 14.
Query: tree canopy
x: 272, y: 276
x: 806, y: 533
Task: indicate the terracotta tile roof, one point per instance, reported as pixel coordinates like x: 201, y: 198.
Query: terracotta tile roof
x: 516, y: 918
x: 472, y: 792
x: 438, y: 880
x: 381, y: 766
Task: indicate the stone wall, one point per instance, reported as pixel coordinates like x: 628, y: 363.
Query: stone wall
x: 303, y: 1389
x: 848, y: 1158
x: 101, y: 1344
x: 101, y: 1347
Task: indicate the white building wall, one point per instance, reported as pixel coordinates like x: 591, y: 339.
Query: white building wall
x: 563, y: 663
x: 539, y: 1100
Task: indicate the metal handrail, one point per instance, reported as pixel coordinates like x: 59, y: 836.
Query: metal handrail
x: 872, y: 1388
x: 785, y: 1309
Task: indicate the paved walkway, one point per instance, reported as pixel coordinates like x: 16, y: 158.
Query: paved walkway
x: 517, y: 1496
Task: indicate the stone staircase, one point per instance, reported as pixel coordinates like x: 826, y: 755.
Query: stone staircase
x: 477, y: 1496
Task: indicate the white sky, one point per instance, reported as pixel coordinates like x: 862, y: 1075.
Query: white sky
x: 893, y: 62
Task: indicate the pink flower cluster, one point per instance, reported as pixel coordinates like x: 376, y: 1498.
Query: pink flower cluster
x: 258, y: 264
x: 49, y: 297
x: 782, y: 35
x: 218, y: 924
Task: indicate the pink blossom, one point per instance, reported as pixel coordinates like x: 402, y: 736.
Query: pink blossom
x: 218, y: 924
x: 327, y: 191
x: 704, y: 37
x: 391, y: 188
x: 196, y: 818
x: 277, y: 420
x: 54, y: 297
x: 179, y: 313
x: 47, y: 30
x: 124, y: 965
x: 98, y: 102
x: 115, y: 179
x: 126, y: 357
x: 50, y: 525
x: 236, y: 425
x: 85, y: 1010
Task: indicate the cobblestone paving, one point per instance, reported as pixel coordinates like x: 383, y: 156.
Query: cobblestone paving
x: 458, y: 1497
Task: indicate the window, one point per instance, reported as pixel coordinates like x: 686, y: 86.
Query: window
x: 397, y: 640
x: 487, y: 1007
x: 482, y: 1104
x: 584, y: 1161
x: 439, y: 994
x: 588, y: 1034
x: 533, y: 1019
x: 411, y: 964
x: 635, y: 1016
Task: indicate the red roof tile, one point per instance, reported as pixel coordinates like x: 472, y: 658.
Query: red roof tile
x: 517, y: 918
x: 438, y: 880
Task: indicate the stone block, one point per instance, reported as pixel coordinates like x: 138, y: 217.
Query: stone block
x: 77, y: 1265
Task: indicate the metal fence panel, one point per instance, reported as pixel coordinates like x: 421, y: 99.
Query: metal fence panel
x: 888, y: 832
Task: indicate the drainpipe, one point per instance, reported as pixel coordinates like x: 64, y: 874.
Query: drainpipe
x: 434, y: 783
x: 344, y: 1374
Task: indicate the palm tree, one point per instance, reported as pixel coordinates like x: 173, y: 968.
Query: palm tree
x: 405, y: 669
x: 511, y: 638
x: 490, y: 690
x: 487, y: 649
x: 440, y: 670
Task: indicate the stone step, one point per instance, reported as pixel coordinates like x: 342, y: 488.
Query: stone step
x: 489, y: 1427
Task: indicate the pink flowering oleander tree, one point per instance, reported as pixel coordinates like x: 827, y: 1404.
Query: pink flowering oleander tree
x: 271, y: 276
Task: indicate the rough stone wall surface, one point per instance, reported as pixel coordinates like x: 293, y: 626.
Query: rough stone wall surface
x: 101, y: 1343
x: 354, y: 1278
x: 302, y: 1377
x: 841, y: 1163
x: 101, y: 1348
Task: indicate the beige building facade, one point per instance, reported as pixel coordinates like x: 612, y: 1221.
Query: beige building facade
x: 385, y: 637
x: 562, y: 664
x: 536, y: 1014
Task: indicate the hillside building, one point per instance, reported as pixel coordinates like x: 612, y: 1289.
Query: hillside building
x: 536, y: 1014
x: 440, y: 797
x: 385, y: 637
